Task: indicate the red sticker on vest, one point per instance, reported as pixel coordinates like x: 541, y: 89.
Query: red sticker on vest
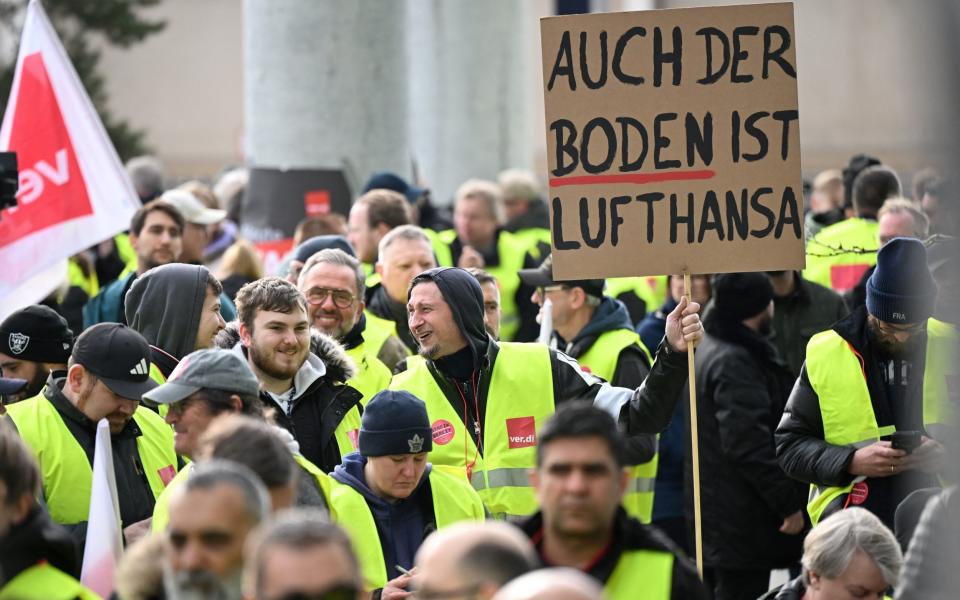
x: 167, y: 474
x: 354, y: 435
x: 442, y: 431
x: 522, y: 432
x: 859, y: 493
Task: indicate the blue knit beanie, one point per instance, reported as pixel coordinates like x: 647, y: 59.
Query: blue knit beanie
x: 395, y: 422
x: 901, y: 289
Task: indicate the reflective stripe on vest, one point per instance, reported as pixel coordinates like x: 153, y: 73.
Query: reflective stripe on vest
x: 453, y: 501
x: 45, y: 582
x: 827, y: 262
x: 836, y: 375
x: 511, y: 252
x: 647, y: 570
x: 372, y: 375
x: 509, y: 429
x: 67, y: 474
x: 601, y: 359
x: 376, y: 332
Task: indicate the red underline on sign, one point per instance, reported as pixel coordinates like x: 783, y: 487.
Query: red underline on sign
x: 635, y: 178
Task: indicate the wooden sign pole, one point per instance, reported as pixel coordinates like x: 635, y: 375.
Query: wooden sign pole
x: 695, y: 443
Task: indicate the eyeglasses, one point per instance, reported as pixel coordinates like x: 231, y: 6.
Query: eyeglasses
x: 891, y: 329
x: 341, y: 298
x: 550, y: 288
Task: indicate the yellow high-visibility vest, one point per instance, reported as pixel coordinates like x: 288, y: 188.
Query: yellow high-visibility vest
x: 67, y: 474
x: 835, y: 373
x: 601, y: 360
x: 509, y: 430
x: 453, y: 501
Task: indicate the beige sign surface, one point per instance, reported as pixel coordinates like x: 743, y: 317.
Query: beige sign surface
x: 673, y: 141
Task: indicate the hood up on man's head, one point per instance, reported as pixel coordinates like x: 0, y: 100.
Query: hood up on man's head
x: 164, y: 306
x: 465, y: 298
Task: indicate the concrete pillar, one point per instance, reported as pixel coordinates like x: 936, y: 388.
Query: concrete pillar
x: 469, y: 115
x: 325, y: 90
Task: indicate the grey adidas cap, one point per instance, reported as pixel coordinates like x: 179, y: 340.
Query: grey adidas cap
x: 215, y: 369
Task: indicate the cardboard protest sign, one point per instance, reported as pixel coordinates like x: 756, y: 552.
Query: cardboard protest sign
x: 673, y: 141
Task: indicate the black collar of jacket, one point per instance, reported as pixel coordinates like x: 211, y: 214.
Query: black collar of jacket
x: 69, y: 412
x: 800, y: 293
x: 628, y: 535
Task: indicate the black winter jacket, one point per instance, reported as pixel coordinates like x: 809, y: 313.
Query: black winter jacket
x: 804, y: 455
x: 628, y: 535
x: 741, y: 388
x: 318, y: 411
x: 37, y: 539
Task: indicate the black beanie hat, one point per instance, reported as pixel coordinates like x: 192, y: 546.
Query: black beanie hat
x: 395, y: 422
x: 901, y: 289
x: 739, y: 296
x: 36, y: 333
x: 309, y: 247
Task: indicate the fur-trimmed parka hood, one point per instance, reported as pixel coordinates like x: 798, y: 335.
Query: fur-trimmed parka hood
x: 339, y: 366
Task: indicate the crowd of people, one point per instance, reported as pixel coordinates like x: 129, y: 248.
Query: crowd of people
x: 384, y: 418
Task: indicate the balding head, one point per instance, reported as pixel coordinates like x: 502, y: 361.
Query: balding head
x: 477, y: 558
x: 552, y: 584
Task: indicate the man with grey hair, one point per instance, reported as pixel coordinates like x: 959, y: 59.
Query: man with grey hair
x: 404, y: 253
x: 898, y: 217
x: 211, y: 515
x: 525, y: 211
x: 283, y: 559
x: 850, y: 554
x: 478, y: 240
x: 146, y: 173
x: 333, y: 283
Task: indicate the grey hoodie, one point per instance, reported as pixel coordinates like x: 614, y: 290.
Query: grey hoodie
x: 164, y: 305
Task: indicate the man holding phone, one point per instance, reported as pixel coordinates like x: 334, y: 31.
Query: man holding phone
x: 863, y: 421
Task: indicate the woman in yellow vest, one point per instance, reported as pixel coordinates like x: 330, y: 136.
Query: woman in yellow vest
x: 388, y: 497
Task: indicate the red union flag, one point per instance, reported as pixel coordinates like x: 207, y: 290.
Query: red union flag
x: 74, y: 191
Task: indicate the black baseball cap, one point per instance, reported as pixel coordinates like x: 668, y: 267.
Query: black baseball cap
x: 118, y: 356
x: 542, y: 276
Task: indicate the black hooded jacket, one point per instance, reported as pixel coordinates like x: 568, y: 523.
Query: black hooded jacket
x: 804, y: 454
x: 318, y: 410
x: 37, y: 539
x: 645, y: 410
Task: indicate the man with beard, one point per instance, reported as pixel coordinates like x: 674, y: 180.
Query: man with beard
x: 752, y: 512
x: 106, y: 376
x: 211, y: 515
x: 333, y: 283
x: 302, y: 375
x: 34, y: 342
x: 177, y: 309
x: 863, y: 420
x: 471, y: 385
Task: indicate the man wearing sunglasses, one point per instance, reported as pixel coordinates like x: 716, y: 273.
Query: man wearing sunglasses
x: 333, y: 283
x: 863, y: 420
